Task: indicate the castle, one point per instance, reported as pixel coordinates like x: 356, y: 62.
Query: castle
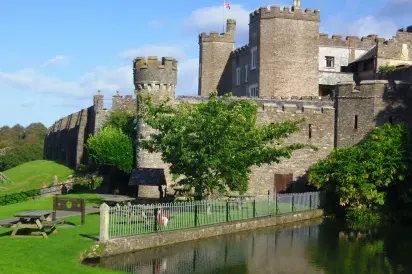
x: 290, y: 70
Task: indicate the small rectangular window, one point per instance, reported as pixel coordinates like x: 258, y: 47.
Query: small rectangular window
x: 253, y: 55
x: 246, y: 68
x: 310, y: 131
x: 237, y: 76
x: 330, y: 61
x: 356, y: 121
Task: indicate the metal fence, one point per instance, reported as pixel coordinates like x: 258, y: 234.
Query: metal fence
x: 152, y: 218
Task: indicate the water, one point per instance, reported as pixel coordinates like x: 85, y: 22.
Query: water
x: 311, y: 247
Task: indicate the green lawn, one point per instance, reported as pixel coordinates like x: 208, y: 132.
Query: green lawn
x: 8, y: 211
x: 33, y: 175
x: 58, y: 254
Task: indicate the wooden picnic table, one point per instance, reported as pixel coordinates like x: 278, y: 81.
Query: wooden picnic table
x: 36, y: 221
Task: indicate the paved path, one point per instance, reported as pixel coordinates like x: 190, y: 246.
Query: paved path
x: 60, y: 214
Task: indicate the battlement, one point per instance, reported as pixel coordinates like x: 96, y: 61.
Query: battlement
x: 152, y: 61
x: 294, y: 13
x: 240, y: 50
x: 373, y: 89
x: 337, y: 40
x: 215, y: 36
x: 155, y: 73
x: 125, y: 103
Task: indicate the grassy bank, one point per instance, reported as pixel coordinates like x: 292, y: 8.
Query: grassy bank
x: 33, y: 175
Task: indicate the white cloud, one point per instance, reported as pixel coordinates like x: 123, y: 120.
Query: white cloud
x: 187, y: 81
x: 57, y: 60
x: 105, y: 79
x: 155, y: 24
x: 372, y: 25
x: 212, y: 19
x: 28, y: 104
x: 154, y: 50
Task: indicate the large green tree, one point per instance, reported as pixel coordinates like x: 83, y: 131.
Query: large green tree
x: 360, y: 175
x: 215, y: 143
x: 111, y: 147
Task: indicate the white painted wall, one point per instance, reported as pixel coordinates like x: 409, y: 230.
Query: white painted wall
x: 341, y: 57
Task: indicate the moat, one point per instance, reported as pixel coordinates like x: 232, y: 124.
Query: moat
x: 312, y: 247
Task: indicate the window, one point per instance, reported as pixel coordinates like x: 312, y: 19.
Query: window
x: 246, y: 68
x: 237, y: 76
x: 330, y: 62
x: 253, y: 90
x: 310, y: 131
x: 356, y: 121
x: 253, y: 55
x: 391, y: 119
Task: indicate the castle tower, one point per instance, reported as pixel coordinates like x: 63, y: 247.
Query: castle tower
x: 284, y: 48
x: 214, y: 52
x: 157, y: 78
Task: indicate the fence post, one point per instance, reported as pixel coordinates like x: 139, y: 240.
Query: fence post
x: 34, y: 193
x: 293, y: 203
x: 156, y: 210
x: 277, y: 203
x: 310, y: 201
x: 83, y: 208
x: 269, y: 203
x: 104, y: 222
x: 195, y: 215
x: 227, y: 211
x: 254, y: 208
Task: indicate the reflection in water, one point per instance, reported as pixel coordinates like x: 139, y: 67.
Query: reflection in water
x: 262, y: 251
x: 310, y: 247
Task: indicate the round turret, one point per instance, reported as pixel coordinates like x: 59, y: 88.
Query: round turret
x: 154, y: 76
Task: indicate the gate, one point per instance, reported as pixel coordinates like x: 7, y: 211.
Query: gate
x: 282, y: 181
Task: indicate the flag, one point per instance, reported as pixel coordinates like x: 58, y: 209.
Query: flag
x: 227, y: 5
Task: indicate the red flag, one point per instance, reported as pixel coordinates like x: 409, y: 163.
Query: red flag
x: 227, y: 5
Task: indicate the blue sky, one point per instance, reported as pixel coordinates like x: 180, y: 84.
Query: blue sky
x: 55, y: 55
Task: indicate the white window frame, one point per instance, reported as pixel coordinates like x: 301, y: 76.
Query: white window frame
x: 253, y: 90
x: 246, y: 73
x: 333, y: 61
x: 253, y: 57
x: 238, y: 76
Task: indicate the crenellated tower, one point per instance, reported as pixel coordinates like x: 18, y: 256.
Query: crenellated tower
x: 214, y: 53
x: 157, y: 78
x: 284, y: 45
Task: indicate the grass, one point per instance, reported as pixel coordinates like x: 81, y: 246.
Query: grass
x: 59, y: 253
x: 8, y: 211
x: 33, y: 175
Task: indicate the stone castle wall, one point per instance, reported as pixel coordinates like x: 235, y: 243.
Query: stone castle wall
x: 319, y: 121
x: 65, y: 139
x: 395, y: 51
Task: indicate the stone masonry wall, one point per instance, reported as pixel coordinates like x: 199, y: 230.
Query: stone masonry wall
x: 215, y: 50
x: 289, y: 52
x: 317, y: 113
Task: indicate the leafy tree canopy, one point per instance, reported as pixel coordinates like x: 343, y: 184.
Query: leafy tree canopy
x: 124, y: 120
x: 214, y: 144
x: 360, y: 175
x: 111, y: 147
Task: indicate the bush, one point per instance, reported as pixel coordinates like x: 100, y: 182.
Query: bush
x: 20, y: 154
x: 387, y: 68
x: 19, y: 197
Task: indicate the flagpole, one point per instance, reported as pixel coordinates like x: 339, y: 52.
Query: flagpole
x: 223, y: 14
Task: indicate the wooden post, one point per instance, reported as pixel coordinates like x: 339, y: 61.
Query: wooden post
x: 54, y: 208
x: 293, y: 203
x: 104, y: 222
x: 83, y: 212
x: 310, y: 201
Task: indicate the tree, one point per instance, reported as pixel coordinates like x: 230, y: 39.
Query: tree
x: 360, y: 175
x: 214, y: 144
x: 111, y: 147
x: 125, y: 120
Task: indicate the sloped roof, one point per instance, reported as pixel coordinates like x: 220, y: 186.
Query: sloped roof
x: 367, y: 56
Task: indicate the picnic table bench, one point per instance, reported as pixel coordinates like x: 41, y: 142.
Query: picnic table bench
x: 117, y: 200
x: 36, y: 221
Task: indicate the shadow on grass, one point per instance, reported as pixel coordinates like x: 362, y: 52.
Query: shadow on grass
x: 90, y: 237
